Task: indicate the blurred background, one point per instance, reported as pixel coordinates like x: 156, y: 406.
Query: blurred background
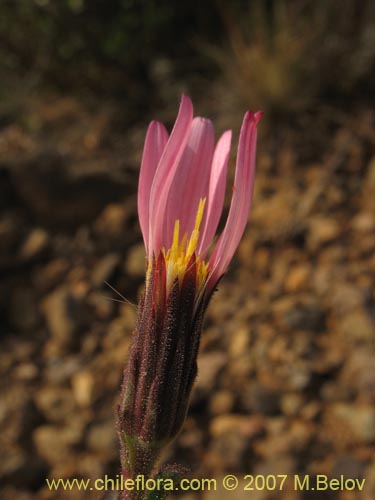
x: 286, y: 371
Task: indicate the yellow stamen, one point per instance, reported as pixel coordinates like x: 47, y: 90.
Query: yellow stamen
x: 193, y: 242
x: 177, y: 258
x: 175, y: 246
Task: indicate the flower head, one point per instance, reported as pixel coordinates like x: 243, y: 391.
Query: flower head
x: 180, y: 200
x: 181, y: 194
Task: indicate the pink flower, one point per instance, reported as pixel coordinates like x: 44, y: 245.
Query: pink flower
x: 180, y: 200
x: 181, y: 193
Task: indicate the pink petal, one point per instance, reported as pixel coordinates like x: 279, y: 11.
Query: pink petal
x: 241, y: 198
x: 164, y: 175
x: 191, y: 179
x: 216, y: 191
x: 156, y: 139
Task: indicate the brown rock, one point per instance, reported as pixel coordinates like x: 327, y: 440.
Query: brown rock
x: 112, y: 221
x: 322, y: 230
x: 83, y: 388
x: 191, y: 436
x: 282, y: 440
x: 54, y: 443
x: 104, y: 305
x: 247, y: 426
x: 353, y: 423
x: 26, y: 371
x: 104, y: 269
x: 291, y: 403
x: 363, y: 222
x: 298, y: 278
x: 261, y: 399
x: 229, y: 452
x: 299, y: 314
x: 60, y: 312
x: 55, y: 403
x: 357, y: 327
x: 60, y: 370
x: 102, y: 438
x: 51, y: 274
x: 221, y: 402
x: 35, y: 243
x: 276, y: 215
x: 239, y: 341
x: 135, y: 264
x: 210, y: 366
x: 358, y: 373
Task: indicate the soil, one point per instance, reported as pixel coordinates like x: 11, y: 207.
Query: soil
x: 286, y: 377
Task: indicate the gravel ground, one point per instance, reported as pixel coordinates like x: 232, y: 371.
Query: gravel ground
x: 286, y: 378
